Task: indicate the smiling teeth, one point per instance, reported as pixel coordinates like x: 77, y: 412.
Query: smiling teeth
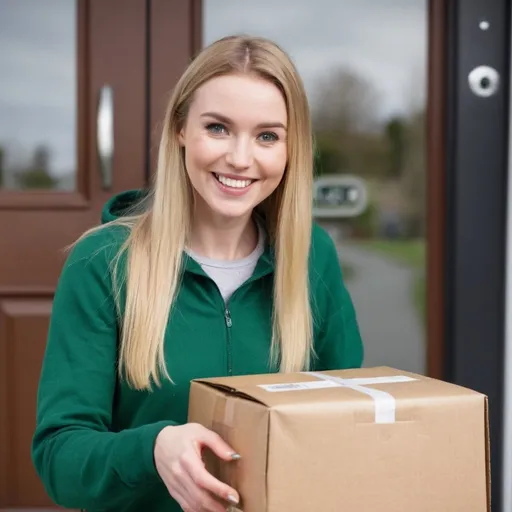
x: 228, y: 182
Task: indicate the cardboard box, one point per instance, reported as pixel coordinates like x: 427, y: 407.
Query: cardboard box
x: 366, y: 440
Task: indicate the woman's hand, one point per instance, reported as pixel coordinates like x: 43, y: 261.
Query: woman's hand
x: 180, y: 465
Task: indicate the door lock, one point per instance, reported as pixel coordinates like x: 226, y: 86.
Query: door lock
x: 484, y: 81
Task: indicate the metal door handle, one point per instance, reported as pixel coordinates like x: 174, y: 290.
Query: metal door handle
x: 105, y: 135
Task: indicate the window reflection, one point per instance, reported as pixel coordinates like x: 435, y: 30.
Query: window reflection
x: 364, y: 68
x: 37, y: 94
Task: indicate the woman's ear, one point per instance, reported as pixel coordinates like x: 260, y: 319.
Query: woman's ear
x: 181, y: 137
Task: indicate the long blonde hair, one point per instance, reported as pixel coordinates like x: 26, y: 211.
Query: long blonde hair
x: 158, y: 234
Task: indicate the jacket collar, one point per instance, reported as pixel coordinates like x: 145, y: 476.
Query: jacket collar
x: 264, y: 266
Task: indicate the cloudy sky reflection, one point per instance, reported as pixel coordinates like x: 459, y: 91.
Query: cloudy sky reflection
x: 384, y: 41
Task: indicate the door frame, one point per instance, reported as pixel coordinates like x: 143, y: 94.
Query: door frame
x: 507, y: 384
x: 475, y: 206
x: 436, y: 186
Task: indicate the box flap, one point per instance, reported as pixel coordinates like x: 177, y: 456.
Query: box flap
x: 313, y: 387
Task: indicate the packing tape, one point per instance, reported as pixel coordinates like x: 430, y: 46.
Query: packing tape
x: 224, y: 411
x: 223, y: 422
x: 385, y: 403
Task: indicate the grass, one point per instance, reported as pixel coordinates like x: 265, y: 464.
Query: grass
x: 410, y: 253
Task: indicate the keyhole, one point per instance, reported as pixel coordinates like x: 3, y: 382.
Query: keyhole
x: 485, y: 82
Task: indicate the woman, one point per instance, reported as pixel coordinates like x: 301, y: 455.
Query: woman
x: 218, y: 270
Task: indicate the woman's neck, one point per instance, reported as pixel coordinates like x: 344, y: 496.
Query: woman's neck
x: 223, y: 239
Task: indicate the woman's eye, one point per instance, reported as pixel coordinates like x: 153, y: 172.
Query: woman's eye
x: 216, y: 128
x: 268, y: 137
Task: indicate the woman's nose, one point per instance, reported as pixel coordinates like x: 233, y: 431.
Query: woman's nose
x: 240, y: 154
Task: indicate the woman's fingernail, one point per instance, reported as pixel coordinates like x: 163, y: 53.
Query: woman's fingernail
x: 236, y: 456
x: 233, y: 499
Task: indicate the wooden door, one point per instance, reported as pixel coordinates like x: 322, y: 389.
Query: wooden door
x: 55, y: 58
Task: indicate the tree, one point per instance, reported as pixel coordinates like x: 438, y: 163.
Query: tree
x: 414, y: 175
x: 347, y: 134
x: 329, y: 158
x: 346, y: 103
x: 37, y: 176
x: 396, y: 137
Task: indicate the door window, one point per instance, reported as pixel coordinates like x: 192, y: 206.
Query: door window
x: 364, y: 67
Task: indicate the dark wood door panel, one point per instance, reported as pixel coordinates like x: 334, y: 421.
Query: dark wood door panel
x: 23, y: 323
x: 174, y: 37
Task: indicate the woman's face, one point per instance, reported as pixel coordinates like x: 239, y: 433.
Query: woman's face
x: 235, y: 144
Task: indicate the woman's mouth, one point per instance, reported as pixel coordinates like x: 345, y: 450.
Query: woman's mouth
x: 233, y: 183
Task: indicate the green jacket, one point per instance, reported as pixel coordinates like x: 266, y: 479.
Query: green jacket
x: 93, y: 444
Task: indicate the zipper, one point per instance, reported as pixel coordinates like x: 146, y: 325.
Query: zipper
x: 229, y: 323
x: 229, y: 320
x: 258, y: 274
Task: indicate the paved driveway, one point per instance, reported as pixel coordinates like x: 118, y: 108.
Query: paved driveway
x: 390, y: 326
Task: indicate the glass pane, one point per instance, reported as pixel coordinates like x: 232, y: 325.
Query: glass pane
x: 364, y: 66
x: 37, y: 94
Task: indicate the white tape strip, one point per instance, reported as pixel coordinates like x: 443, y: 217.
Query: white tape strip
x: 385, y: 403
x: 368, y: 381
x: 299, y: 386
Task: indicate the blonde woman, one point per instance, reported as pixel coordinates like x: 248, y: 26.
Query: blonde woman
x: 217, y: 270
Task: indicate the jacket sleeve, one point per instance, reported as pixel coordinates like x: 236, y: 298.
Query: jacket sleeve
x: 338, y: 344
x: 81, y: 461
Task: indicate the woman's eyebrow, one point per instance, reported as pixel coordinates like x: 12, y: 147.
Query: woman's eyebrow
x: 226, y: 120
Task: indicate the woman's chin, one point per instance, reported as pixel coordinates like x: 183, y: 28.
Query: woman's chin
x: 230, y: 211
